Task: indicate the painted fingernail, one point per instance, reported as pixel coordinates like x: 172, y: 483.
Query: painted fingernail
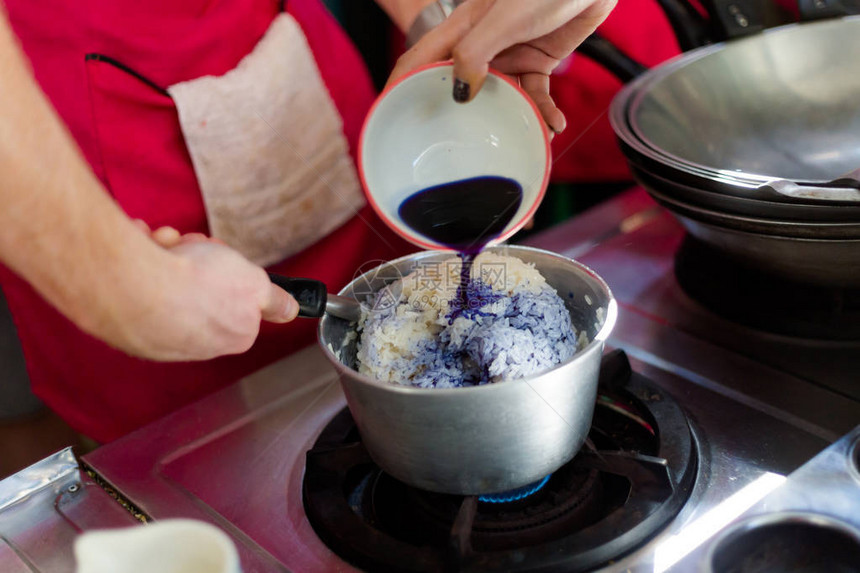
x: 461, y: 91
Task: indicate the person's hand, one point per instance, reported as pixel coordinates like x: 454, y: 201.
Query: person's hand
x: 156, y: 295
x: 210, y: 302
x: 169, y: 237
x: 526, y: 40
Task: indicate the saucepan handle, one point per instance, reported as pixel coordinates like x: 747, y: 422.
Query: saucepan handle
x: 309, y: 293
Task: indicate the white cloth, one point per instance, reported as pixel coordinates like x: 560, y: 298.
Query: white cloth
x: 268, y: 149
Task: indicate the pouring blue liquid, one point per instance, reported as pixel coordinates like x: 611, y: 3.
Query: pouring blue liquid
x: 464, y: 215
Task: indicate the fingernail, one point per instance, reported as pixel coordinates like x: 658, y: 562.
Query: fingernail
x: 292, y: 309
x: 461, y: 91
x: 166, y: 234
x: 558, y: 125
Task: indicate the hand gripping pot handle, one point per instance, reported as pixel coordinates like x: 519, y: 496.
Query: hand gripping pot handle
x: 311, y: 294
x: 314, y: 299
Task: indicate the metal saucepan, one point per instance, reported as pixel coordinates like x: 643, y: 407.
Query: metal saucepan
x: 482, y: 439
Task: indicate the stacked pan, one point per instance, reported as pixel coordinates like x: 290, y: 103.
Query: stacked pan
x: 754, y: 145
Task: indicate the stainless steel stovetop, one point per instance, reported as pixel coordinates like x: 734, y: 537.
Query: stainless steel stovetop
x: 761, y: 406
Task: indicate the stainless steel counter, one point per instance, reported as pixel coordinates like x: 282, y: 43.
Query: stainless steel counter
x: 761, y: 406
x: 44, y: 507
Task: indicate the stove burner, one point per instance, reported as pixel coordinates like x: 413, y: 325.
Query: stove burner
x: 574, y: 498
x: 765, y: 302
x: 514, y: 494
x: 797, y: 543
x: 631, y: 481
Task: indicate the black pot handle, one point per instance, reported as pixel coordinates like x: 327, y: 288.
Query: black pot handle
x: 733, y: 18
x: 817, y: 9
x: 309, y: 293
x: 690, y: 27
x: 728, y: 19
x: 605, y: 53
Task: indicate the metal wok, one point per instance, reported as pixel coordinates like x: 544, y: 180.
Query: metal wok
x: 780, y: 105
x: 754, y: 144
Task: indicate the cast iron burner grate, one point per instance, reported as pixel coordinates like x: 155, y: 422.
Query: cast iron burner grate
x: 763, y: 301
x: 631, y: 479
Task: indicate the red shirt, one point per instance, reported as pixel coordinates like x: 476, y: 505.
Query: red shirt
x: 586, y: 151
x: 129, y: 133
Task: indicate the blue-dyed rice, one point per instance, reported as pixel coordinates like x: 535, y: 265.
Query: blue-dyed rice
x: 507, y: 338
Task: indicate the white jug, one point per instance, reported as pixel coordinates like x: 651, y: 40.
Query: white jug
x: 169, y: 546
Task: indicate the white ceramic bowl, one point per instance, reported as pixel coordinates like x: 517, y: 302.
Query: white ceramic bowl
x: 416, y: 136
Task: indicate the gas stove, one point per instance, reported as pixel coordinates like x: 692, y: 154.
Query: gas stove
x: 631, y: 479
x: 700, y: 423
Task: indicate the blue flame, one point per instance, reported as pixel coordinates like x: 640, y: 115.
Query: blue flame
x: 514, y: 494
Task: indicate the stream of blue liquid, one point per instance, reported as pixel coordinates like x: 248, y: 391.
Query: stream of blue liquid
x: 465, y: 215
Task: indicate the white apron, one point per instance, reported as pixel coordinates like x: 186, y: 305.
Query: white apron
x: 268, y: 149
